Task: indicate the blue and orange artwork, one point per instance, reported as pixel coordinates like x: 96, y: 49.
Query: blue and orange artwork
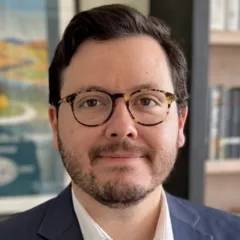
x: 23, y: 58
x: 28, y: 163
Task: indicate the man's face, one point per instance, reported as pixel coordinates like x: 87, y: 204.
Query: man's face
x: 132, y: 160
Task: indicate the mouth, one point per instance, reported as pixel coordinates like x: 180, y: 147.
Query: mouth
x: 121, y: 157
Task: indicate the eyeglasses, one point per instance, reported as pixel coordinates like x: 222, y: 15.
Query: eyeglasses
x: 93, y: 107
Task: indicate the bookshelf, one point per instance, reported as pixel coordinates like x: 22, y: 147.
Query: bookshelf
x: 224, y: 38
x: 224, y: 61
x: 223, y: 166
x: 222, y: 176
x: 221, y: 190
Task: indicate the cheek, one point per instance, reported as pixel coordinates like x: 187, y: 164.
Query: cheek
x: 167, y: 132
x: 161, y: 136
x: 78, y: 138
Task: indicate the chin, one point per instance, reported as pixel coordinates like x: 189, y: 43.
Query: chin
x: 128, y: 178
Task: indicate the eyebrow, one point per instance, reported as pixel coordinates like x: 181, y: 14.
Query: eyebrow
x: 134, y: 88
x: 90, y: 87
x: 142, y: 86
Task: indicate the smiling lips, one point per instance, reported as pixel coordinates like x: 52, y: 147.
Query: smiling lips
x: 122, y: 157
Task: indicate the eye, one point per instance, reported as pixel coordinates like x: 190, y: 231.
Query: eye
x: 148, y: 102
x: 90, y: 103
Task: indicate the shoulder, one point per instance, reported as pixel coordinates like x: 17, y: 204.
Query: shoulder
x: 24, y: 225
x: 209, y: 219
x: 210, y: 213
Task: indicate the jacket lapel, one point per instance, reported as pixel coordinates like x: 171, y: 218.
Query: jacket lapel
x: 60, y: 222
x: 185, y: 221
x: 72, y: 232
x: 182, y: 230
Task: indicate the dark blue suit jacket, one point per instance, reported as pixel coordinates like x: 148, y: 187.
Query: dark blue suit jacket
x: 56, y: 220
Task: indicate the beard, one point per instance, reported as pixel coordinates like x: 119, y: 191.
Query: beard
x: 117, y: 193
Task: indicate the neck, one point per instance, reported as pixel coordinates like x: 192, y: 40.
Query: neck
x: 136, y: 222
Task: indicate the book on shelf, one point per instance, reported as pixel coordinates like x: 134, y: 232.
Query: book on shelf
x: 232, y: 15
x: 225, y: 15
x: 218, y: 14
x: 224, y: 122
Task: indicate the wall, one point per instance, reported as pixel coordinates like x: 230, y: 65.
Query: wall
x: 141, y: 5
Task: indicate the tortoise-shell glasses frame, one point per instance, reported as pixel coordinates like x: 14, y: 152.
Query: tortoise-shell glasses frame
x: 71, y: 98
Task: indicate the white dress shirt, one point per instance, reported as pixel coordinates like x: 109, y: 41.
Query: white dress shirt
x: 92, y: 231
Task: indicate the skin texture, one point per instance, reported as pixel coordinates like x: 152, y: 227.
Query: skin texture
x: 125, y: 182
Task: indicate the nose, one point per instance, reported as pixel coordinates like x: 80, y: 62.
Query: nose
x: 121, y: 125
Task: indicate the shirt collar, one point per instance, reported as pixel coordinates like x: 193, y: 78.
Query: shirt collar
x: 164, y: 226
x: 91, y: 230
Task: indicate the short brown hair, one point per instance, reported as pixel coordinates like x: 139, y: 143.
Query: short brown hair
x: 110, y: 22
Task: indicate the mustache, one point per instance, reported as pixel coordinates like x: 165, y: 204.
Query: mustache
x: 125, y: 146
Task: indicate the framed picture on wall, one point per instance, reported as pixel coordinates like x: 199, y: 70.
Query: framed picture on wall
x: 30, y: 168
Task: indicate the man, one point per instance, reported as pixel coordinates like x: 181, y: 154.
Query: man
x: 118, y: 105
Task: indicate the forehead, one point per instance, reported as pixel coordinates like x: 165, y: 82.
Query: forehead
x: 118, y: 65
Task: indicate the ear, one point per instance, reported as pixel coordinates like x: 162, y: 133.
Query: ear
x: 52, y: 113
x: 181, y: 124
